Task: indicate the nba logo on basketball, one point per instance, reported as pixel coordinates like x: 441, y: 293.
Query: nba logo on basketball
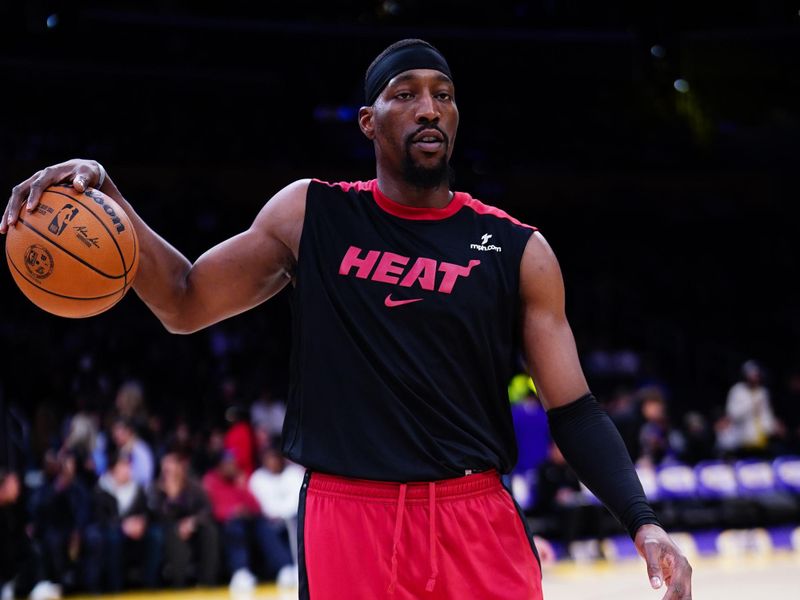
x: 63, y: 216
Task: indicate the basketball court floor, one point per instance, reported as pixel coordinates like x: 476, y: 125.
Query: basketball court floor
x: 771, y: 577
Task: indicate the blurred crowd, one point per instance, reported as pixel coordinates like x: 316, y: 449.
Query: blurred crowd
x: 123, y: 497
x: 744, y: 427
x: 122, y: 502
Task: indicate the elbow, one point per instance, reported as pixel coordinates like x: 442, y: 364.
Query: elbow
x: 177, y: 329
x: 178, y: 326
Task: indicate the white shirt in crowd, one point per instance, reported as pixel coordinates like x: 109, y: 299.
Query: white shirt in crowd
x: 752, y: 420
x: 278, y: 494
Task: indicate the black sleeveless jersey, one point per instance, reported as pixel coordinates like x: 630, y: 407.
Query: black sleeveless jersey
x: 404, y: 327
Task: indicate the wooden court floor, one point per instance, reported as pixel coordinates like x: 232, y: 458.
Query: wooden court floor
x: 771, y: 577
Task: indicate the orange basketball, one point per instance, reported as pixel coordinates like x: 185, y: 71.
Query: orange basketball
x: 76, y: 255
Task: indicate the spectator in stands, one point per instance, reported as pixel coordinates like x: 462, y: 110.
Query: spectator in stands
x: 119, y: 536
x: 239, y: 514
x: 559, y: 493
x: 20, y: 561
x: 183, y: 512
x: 625, y: 412
x: 60, y: 511
x: 654, y: 434
x: 276, y: 486
x: 130, y: 405
x: 128, y: 443
x: 698, y: 438
x: 789, y: 409
x: 749, y: 413
x: 240, y: 439
x: 267, y: 414
x: 81, y: 441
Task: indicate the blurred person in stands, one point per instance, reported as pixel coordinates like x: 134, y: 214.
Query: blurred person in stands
x: 119, y: 536
x: 240, y: 438
x: 128, y: 442
x: 558, y: 492
x: 20, y: 559
x: 182, y: 510
x: 129, y: 404
x: 750, y: 420
x: 698, y: 438
x: 789, y: 410
x: 239, y: 515
x: 81, y: 440
x: 60, y: 509
x: 276, y: 485
x: 656, y: 439
x: 268, y: 413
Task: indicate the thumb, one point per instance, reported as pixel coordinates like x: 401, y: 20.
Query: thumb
x: 652, y: 558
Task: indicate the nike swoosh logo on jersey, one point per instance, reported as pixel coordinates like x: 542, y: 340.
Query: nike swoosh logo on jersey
x: 392, y: 303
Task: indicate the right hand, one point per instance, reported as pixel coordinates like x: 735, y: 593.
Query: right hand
x: 80, y: 173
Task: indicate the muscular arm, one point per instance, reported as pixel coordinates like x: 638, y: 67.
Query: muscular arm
x: 231, y: 278
x: 228, y: 279
x: 581, y: 429
x: 547, y: 337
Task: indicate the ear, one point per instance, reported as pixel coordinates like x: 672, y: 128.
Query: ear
x: 365, y: 122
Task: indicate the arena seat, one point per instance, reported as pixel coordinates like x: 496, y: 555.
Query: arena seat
x: 677, y: 481
x: 754, y: 477
x: 787, y: 473
x: 716, y: 480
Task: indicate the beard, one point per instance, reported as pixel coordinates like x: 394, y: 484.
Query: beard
x: 426, y: 177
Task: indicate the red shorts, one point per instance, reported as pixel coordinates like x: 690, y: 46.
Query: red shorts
x: 453, y: 539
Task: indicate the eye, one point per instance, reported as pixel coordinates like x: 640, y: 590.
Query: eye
x: 403, y: 95
x: 444, y: 96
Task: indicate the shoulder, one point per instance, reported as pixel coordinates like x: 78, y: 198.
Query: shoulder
x: 540, y: 273
x: 493, y: 212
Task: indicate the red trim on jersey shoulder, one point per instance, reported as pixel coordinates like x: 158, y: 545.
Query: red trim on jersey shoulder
x: 414, y: 212
x: 485, y: 209
x: 358, y: 186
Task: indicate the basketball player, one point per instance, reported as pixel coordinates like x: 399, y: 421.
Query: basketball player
x: 407, y: 298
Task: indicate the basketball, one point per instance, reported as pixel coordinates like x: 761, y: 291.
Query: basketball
x: 76, y: 255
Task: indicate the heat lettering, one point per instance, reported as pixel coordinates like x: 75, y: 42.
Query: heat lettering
x: 391, y: 268
x: 363, y: 265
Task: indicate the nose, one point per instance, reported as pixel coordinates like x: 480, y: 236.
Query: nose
x: 427, y: 109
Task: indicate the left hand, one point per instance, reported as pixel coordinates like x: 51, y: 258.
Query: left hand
x: 666, y: 564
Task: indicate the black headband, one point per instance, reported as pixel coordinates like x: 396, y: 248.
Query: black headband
x: 415, y: 56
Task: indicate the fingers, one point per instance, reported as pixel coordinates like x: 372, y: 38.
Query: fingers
x: 679, y: 591
x: 18, y: 195
x: 672, y: 569
x: 80, y: 173
x: 652, y: 555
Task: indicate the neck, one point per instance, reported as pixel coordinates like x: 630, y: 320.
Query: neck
x: 403, y: 192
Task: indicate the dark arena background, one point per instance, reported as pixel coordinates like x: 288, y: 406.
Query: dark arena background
x: 654, y: 145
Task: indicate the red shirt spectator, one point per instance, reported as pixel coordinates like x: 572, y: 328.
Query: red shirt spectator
x: 240, y: 440
x: 226, y: 486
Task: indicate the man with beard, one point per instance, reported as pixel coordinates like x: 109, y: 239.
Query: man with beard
x: 407, y: 300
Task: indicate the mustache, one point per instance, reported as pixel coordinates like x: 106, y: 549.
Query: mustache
x: 421, y: 128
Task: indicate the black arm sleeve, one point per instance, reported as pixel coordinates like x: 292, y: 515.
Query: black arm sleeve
x: 594, y: 449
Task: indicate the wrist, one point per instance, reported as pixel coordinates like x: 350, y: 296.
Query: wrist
x: 648, y: 528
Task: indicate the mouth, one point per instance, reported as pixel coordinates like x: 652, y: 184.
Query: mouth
x: 429, y: 140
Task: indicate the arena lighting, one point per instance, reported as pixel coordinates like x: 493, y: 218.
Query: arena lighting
x: 52, y: 21
x: 330, y: 114
x: 681, y: 85
x: 658, y: 51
